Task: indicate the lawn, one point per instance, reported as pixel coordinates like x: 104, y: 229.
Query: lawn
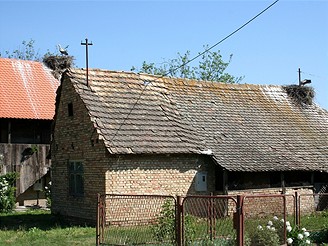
x: 39, y: 227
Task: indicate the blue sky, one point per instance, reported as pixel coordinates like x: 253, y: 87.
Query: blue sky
x: 290, y: 35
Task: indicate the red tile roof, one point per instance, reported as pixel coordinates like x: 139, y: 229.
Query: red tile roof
x: 27, y: 90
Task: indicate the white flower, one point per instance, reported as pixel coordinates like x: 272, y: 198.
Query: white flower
x: 289, y: 241
x: 275, y: 218
x: 282, y: 220
x: 270, y: 223
x: 272, y: 229
x: 303, y: 229
x: 289, y: 228
x: 287, y: 223
x: 259, y: 227
x: 49, y: 183
x: 300, y: 236
x: 268, y: 227
x: 307, y: 241
x: 306, y: 234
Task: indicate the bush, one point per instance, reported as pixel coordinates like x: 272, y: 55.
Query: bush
x: 47, y: 193
x: 7, y: 192
x: 264, y: 236
x: 272, y: 234
x: 164, y: 230
x: 320, y: 236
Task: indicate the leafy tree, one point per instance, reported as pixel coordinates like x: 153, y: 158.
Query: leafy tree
x: 26, y: 51
x: 211, y: 67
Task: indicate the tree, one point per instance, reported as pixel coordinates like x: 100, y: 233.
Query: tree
x: 26, y: 52
x: 211, y: 67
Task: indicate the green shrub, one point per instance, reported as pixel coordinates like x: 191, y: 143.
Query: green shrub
x: 320, y: 236
x: 7, y: 192
x: 264, y: 236
x: 273, y: 234
x: 164, y: 230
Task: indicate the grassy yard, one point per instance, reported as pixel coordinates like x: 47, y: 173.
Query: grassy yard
x: 39, y: 227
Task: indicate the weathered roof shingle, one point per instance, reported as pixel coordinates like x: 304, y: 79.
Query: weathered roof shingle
x: 246, y: 127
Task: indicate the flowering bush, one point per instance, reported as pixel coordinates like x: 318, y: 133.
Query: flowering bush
x: 295, y: 236
x: 47, y: 193
x: 265, y: 235
x: 7, y: 192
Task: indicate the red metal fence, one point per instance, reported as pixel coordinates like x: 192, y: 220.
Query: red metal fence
x: 315, y: 205
x: 208, y: 219
x: 203, y: 220
x: 135, y: 219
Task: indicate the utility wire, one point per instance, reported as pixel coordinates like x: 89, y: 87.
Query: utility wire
x: 189, y: 61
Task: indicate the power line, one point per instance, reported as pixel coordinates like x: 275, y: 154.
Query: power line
x: 189, y: 61
x: 225, y: 38
x: 314, y: 75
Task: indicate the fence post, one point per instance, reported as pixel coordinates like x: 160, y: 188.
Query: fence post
x: 98, y: 220
x: 179, y: 221
x: 240, y: 220
x: 297, y: 221
x: 285, y: 216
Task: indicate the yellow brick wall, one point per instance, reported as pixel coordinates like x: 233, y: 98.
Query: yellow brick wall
x: 75, y: 139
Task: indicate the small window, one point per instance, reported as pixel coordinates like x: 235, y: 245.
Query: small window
x: 70, y: 109
x: 76, y: 179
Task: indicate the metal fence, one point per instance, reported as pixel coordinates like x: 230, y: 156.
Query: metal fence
x: 269, y: 212
x: 205, y: 220
x: 136, y: 219
x: 208, y: 219
x: 312, y: 211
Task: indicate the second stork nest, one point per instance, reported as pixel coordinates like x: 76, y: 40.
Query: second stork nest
x: 300, y: 94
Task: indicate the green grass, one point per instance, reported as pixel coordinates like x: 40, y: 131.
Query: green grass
x: 316, y: 221
x: 39, y: 227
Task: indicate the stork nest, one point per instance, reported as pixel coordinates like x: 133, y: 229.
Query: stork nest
x: 300, y: 94
x: 58, y: 64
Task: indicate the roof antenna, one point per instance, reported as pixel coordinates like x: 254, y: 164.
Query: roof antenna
x: 87, y: 57
x: 304, y: 81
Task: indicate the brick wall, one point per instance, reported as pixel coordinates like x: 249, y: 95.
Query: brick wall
x: 75, y: 139
x: 156, y: 174
x: 264, y: 206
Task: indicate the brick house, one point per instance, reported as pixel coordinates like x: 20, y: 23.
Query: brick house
x: 128, y: 133
x: 27, y: 107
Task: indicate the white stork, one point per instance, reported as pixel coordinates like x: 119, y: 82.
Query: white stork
x: 62, y: 50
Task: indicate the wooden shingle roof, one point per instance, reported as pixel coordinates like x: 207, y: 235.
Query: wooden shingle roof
x: 243, y: 127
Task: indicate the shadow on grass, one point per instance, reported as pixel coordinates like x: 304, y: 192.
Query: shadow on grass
x: 40, y: 219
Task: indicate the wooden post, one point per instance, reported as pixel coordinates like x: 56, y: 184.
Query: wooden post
x: 9, y: 131
x: 283, y: 183
x: 225, y: 182
x: 87, y: 57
